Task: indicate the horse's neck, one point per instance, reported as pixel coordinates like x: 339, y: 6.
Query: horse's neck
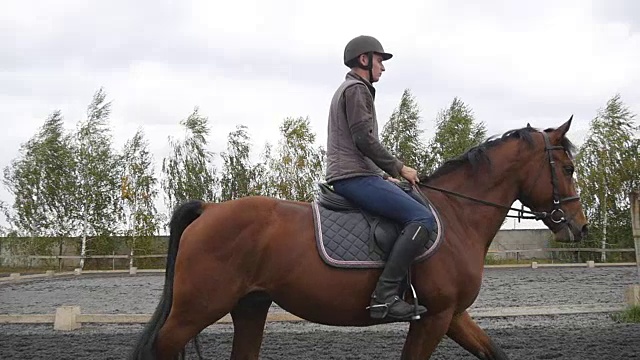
x: 481, y: 221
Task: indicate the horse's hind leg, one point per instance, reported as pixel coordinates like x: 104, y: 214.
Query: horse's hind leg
x: 249, y: 317
x: 425, y: 334
x: 186, y: 320
x: 175, y: 334
x: 195, y: 306
x: 470, y: 336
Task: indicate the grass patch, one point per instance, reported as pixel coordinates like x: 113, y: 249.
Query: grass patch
x: 630, y: 315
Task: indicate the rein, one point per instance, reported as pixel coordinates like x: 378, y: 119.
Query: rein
x: 537, y: 215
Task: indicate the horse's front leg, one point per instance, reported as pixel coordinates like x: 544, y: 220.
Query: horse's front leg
x: 425, y: 334
x: 470, y: 336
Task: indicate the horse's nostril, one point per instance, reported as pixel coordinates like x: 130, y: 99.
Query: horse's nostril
x: 585, y: 230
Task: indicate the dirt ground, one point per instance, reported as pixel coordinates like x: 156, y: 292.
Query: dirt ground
x: 589, y: 336
x: 570, y: 337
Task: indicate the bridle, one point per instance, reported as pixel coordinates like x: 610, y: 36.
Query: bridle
x: 557, y: 200
x: 536, y: 215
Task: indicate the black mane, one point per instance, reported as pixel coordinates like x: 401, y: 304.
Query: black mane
x: 477, y: 154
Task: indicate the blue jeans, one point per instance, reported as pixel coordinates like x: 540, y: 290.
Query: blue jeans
x: 381, y: 197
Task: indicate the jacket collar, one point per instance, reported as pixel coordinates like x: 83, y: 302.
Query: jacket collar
x: 352, y: 75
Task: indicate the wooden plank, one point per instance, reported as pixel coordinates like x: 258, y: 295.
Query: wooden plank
x: 282, y: 316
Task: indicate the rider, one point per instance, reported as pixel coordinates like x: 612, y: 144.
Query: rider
x: 356, y: 166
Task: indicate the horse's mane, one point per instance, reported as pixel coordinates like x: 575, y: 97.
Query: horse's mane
x: 477, y: 154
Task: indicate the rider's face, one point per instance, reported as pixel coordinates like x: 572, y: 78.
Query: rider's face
x: 378, y: 66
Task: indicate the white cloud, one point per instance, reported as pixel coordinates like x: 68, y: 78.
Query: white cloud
x: 256, y: 62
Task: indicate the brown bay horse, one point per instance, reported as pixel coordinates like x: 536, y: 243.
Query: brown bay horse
x: 240, y: 256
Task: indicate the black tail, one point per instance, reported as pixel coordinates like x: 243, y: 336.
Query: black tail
x: 183, y: 215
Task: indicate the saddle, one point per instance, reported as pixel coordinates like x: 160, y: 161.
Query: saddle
x: 349, y: 237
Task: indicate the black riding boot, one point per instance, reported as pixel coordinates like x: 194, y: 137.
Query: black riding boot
x: 385, y: 302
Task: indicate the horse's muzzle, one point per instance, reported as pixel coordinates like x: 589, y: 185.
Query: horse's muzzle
x: 571, y: 232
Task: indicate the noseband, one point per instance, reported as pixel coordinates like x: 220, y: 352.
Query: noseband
x: 556, y: 215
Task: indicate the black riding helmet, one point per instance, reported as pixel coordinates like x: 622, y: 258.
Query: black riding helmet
x: 363, y: 44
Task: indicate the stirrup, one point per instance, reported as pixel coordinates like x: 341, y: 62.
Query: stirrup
x: 385, y: 306
x: 385, y: 310
x: 415, y: 316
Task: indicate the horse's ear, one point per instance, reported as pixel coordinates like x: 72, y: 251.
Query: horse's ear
x: 562, y: 130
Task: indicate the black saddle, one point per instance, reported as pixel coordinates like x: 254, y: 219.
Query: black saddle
x: 349, y: 236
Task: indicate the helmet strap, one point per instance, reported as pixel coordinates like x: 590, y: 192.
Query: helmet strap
x: 370, y: 67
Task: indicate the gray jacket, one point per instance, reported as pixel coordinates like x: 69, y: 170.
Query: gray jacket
x: 353, y: 145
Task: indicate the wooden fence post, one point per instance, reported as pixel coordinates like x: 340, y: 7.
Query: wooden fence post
x: 633, y: 291
x: 635, y: 224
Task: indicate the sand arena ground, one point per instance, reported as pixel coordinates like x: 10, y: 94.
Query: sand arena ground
x: 584, y: 336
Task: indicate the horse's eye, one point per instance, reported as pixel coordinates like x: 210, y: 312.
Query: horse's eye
x: 569, y: 170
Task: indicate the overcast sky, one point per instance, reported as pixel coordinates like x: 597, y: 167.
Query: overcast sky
x: 257, y: 62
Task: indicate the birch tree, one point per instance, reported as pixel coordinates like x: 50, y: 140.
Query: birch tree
x: 189, y: 172
x: 456, y: 131
x: 239, y: 177
x: 138, y: 194
x: 607, y: 170
x: 42, y: 188
x: 298, y: 164
x: 402, y: 134
x: 98, y: 173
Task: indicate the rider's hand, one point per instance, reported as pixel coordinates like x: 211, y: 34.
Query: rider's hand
x: 393, y: 180
x: 410, y: 174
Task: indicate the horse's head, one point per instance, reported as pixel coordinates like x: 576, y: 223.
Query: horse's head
x: 547, y: 184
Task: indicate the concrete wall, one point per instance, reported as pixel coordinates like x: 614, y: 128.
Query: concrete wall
x: 521, y: 239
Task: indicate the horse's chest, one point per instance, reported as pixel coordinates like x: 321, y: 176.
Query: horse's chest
x: 469, y: 289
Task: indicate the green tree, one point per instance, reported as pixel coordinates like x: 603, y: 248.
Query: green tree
x: 239, y: 176
x: 138, y: 194
x: 298, y: 165
x: 42, y: 188
x: 263, y: 174
x: 27, y: 216
x: 98, y: 173
x: 402, y: 134
x: 23, y: 179
x: 4, y: 209
x: 607, y: 169
x: 189, y: 172
x: 57, y: 158
x: 456, y: 132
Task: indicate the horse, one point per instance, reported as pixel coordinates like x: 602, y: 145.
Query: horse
x: 242, y: 255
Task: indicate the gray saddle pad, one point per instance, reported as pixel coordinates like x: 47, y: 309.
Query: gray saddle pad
x: 355, y: 239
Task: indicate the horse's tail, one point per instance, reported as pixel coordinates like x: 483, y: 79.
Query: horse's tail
x: 182, y: 216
